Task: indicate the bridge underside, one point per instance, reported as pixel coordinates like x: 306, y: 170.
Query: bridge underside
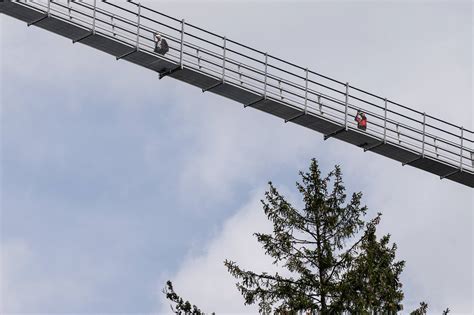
x: 238, y: 94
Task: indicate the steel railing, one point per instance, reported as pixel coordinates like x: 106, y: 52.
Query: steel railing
x: 271, y: 77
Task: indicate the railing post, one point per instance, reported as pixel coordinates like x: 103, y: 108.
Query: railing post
x: 69, y: 9
x: 137, y: 45
x: 113, y: 24
x: 223, y: 60
x: 240, y: 74
x: 320, y: 105
x: 462, y: 138
x: 347, y: 105
x: 265, y: 79
x: 385, y: 123
x: 398, y: 134
x: 182, y: 44
x: 93, y: 17
x: 306, y: 93
x: 423, y: 139
x: 49, y: 8
x: 198, y: 58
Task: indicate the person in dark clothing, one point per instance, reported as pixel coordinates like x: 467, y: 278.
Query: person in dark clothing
x: 161, y: 46
x: 361, y: 120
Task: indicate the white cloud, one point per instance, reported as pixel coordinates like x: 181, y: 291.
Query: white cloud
x: 236, y: 146
x: 14, y: 257
x: 27, y: 288
x: 24, y: 289
x: 434, y: 236
x: 203, y: 279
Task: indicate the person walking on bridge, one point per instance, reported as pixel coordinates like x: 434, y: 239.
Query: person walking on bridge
x: 361, y: 120
x: 161, y: 46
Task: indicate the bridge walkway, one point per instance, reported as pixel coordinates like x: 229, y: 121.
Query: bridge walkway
x: 258, y: 80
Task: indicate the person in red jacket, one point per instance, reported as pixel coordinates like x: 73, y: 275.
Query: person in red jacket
x: 361, y: 120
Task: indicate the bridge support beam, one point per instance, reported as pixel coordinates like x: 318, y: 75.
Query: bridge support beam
x: 82, y: 38
x: 38, y: 20
x: 332, y: 134
x: 374, y: 146
x: 168, y: 72
x: 212, y: 86
x: 413, y: 160
x: 254, y: 102
x: 126, y: 54
x: 450, y: 174
x: 293, y: 118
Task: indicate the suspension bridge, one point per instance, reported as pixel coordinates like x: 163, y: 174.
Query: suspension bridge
x: 258, y: 80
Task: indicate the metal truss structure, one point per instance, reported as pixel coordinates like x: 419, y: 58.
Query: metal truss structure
x: 257, y: 79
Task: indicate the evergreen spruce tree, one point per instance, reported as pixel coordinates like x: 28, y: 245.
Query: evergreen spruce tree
x: 334, y: 259
x: 181, y: 307
x: 421, y: 310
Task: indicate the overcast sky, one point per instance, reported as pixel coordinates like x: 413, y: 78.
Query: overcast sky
x: 113, y: 181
